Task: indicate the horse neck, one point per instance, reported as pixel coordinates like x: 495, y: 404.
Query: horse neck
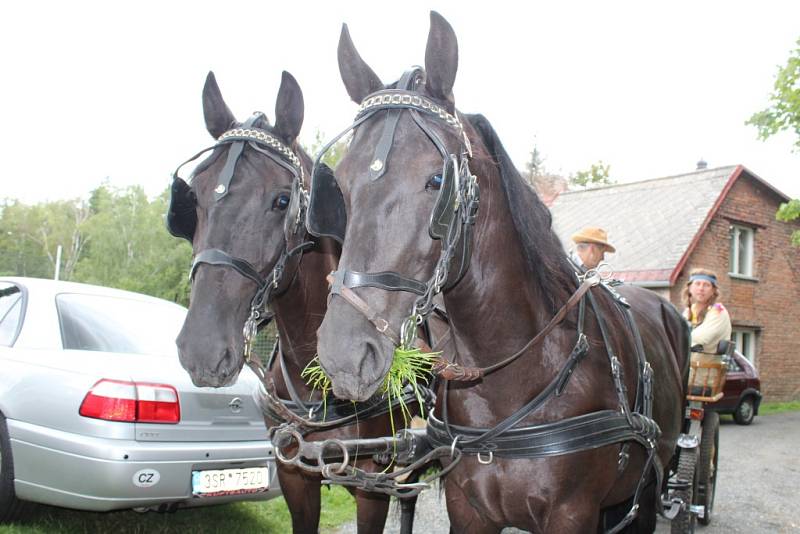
x: 496, y: 308
x: 300, y: 309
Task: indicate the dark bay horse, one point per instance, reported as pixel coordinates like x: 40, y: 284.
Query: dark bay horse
x: 243, y: 214
x: 504, y: 275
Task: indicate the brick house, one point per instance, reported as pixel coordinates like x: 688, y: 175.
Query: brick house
x: 722, y: 219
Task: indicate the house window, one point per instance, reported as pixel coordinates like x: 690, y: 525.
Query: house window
x: 741, y: 250
x: 745, y: 339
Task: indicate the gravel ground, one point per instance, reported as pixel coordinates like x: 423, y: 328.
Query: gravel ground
x: 757, y: 484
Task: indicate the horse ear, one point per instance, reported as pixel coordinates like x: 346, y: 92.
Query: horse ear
x: 218, y: 116
x: 358, y: 78
x: 289, y: 108
x: 441, y: 58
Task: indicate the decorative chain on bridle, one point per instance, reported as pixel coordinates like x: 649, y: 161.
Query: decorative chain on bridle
x: 265, y: 138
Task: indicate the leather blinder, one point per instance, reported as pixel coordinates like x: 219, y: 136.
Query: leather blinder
x: 326, y: 216
x: 182, y: 214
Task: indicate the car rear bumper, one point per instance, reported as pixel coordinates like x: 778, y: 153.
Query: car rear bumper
x: 89, y: 473
x: 729, y: 405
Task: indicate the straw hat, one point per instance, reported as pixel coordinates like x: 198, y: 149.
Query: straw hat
x: 593, y: 234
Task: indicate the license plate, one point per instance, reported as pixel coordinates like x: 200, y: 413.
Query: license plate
x: 230, y: 481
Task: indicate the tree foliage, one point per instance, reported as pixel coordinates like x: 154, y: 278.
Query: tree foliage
x: 31, y: 236
x: 334, y: 153
x: 534, y: 167
x: 783, y: 114
x: 117, y: 238
x: 789, y: 211
x: 598, y: 174
x: 131, y: 248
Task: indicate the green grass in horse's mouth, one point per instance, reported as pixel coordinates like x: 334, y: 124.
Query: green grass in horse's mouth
x: 409, y: 366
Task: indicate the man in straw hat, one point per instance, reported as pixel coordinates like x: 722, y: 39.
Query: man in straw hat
x: 591, y: 245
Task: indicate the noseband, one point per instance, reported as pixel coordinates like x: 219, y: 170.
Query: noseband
x: 182, y: 215
x: 452, y: 219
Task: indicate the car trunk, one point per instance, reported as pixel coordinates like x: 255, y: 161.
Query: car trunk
x: 207, y: 414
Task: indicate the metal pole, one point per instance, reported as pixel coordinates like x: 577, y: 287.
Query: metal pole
x: 58, y: 262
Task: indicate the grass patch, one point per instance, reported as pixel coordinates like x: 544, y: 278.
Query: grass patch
x: 769, y: 408
x: 268, y: 517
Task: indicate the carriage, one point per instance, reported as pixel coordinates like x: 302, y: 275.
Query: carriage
x: 697, y: 455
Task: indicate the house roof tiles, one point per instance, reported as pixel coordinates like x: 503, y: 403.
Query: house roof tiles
x: 652, y: 223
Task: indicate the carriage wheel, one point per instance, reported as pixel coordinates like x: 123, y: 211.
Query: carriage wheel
x: 707, y: 466
x: 683, y: 523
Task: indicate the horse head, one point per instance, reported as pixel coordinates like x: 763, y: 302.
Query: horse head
x: 242, y: 215
x: 397, y: 186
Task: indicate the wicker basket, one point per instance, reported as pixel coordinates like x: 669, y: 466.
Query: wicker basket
x: 706, y: 378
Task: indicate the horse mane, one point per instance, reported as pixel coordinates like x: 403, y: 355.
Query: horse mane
x: 545, y: 257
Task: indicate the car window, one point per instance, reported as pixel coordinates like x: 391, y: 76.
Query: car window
x: 734, y: 366
x: 115, y: 324
x: 10, y: 312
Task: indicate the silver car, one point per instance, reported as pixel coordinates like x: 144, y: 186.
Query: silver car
x: 96, y: 412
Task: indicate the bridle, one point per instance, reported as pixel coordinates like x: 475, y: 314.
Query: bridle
x: 182, y: 217
x: 451, y: 221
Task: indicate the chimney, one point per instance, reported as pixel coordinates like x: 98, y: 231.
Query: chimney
x: 702, y: 164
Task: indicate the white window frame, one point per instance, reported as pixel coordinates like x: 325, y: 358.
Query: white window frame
x: 745, y: 339
x: 739, y: 233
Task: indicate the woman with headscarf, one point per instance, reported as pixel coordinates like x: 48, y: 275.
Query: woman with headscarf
x: 709, y: 319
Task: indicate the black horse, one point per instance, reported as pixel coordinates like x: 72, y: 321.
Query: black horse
x: 244, y: 217
x: 505, y: 278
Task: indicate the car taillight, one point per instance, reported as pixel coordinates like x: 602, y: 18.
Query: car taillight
x: 134, y: 402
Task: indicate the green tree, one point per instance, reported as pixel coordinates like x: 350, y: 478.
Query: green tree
x: 31, y: 236
x: 130, y: 247
x: 783, y: 114
x: 789, y: 211
x: 597, y: 174
x: 334, y: 153
x: 534, y: 167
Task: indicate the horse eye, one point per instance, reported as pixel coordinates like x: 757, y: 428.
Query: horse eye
x: 435, y: 182
x: 281, y: 202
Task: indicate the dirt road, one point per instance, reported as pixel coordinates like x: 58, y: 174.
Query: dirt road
x: 757, y: 488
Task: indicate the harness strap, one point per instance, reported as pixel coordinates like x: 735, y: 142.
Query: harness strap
x: 579, y: 433
x: 381, y: 324
x: 288, y: 381
x: 381, y: 158
x: 386, y: 280
x: 576, y: 297
x: 215, y: 256
x: 644, y: 368
x: 555, y: 385
x: 226, y: 175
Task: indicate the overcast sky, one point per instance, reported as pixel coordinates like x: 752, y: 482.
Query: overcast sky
x: 109, y: 89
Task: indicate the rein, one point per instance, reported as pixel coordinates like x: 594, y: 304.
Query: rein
x: 442, y: 367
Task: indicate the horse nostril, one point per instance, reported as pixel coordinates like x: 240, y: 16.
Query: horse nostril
x: 225, y: 364
x: 370, y: 364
